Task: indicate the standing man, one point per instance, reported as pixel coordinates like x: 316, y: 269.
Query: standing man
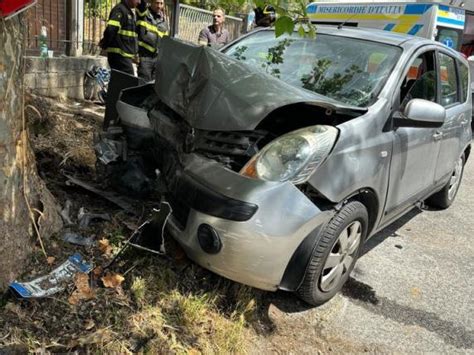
x: 120, y: 36
x: 151, y: 26
x: 215, y: 35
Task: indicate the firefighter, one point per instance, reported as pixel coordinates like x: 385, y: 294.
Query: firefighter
x: 265, y: 17
x: 152, y: 26
x: 120, y: 38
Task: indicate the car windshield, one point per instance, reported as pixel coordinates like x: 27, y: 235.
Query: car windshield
x: 349, y: 70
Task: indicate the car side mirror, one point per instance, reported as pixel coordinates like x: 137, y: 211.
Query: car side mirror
x: 421, y: 113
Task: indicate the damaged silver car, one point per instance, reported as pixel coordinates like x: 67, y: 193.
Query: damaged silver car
x: 281, y: 156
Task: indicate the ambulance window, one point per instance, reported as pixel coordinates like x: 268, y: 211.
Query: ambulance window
x: 448, y: 80
x: 464, y: 78
x: 420, y: 81
x: 449, y: 37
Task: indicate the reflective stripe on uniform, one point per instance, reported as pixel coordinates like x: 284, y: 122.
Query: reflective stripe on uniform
x: 127, y: 33
x: 151, y: 28
x: 121, y: 52
x: 147, y: 46
x: 142, y: 14
x: 113, y: 23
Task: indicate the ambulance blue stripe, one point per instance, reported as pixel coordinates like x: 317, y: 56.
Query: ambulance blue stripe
x: 450, y: 21
x: 414, y: 30
x: 311, y: 9
x: 416, y: 9
x: 389, y: 27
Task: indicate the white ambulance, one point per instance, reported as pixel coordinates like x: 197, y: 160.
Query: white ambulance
x: 450, y: 22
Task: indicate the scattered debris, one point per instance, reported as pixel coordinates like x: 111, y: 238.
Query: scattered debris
x: 108, y: 195
x: 83, y: 291
x: 84, y: 218
x: 112, y: 280
x: 150, y: 236
x: 78, y: 239
x: 50, y: 260
x: 105, y: 247
x: 109, y: 150
x: 54, y: 282
x: 65, y: 212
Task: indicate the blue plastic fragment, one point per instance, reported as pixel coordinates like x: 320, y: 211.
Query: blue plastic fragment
x: 18, y: 288
x: 53, y: 282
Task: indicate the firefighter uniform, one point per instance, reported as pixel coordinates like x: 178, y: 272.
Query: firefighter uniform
x: 151, y: 28
x: 120, y: 38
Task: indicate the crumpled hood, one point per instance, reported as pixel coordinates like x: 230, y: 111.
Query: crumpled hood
x: 213, y: 91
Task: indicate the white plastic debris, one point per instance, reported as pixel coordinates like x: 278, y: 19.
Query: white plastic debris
x: 55, y: 281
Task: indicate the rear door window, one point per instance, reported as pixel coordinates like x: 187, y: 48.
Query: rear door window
x: 464, y: 79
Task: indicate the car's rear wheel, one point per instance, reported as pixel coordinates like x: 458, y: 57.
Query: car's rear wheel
x: 445, y: 197
x: 335, y: 254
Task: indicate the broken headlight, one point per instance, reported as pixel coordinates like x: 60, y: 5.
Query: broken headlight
x: 293, y: 156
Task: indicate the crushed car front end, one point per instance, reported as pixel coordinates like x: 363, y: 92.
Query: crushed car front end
x: 242, y: 228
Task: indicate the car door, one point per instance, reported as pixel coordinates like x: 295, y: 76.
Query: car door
x: 415, y: 149
x: 453, y: 97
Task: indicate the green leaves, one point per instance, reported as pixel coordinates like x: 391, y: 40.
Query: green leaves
x: 311, y: 31
x: 301, y: 31
x: 284, y: 24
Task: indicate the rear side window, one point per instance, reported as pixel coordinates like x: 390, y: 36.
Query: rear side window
x: 464, y: 78
x: 448, y: 80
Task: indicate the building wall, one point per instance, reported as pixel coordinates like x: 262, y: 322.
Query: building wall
x: 59, y: 77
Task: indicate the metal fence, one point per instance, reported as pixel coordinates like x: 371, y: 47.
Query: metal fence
x: 76, y: 26
x: 192, y: 20
x: 52, y: 15
x: 96, y: 13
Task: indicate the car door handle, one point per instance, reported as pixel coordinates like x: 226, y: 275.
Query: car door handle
x: 438, y: 135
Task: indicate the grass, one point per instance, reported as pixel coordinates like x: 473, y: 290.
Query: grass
x: 162, y: 306
x: 138, y: 290
x: 186, y: 314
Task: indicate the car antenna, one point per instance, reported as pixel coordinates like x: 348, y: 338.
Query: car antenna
x: 341, y: 25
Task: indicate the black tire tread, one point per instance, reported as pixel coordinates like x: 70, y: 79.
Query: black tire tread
x: 325, y: 241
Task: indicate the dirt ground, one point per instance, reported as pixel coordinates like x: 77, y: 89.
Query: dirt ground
x: 142, y: 302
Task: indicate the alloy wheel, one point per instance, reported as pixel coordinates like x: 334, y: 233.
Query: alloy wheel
x: 455, y: 179
x: 341, y: 257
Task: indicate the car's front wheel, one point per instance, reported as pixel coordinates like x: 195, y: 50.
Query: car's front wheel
x: 445, y: 197
x: 335, y: 254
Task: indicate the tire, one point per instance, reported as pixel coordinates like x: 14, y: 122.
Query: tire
x: 330, y: 266
x: 89, y: 88
x: 445, y: 197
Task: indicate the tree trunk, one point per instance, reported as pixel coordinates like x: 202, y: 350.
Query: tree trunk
x: 25, y: 203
